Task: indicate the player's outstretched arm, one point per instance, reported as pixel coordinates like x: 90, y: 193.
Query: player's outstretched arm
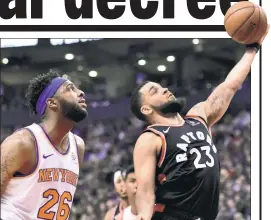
x: 15, y: 152
x: 218, y: 102
x: 145, y: 154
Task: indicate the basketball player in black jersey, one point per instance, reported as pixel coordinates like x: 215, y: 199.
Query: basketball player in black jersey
x: 176, y: 162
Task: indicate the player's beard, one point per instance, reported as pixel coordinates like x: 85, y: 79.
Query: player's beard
x: 171, y: 107
x: 73, y: 111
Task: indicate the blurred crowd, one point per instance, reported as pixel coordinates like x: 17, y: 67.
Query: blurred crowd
x: 233, y: 139
x: 13, y: 98
x: 109, y: 145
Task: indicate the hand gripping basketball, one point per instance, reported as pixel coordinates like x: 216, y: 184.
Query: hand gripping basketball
x: 256, y: 46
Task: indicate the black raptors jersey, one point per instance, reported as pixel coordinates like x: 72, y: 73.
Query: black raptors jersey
x: 188, y: 169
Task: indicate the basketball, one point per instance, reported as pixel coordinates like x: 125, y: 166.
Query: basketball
x: 245, y: 22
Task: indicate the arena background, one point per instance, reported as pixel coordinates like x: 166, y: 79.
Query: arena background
x: 107, y: 70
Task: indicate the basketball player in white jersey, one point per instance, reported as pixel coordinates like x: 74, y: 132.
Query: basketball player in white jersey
x: 116, y: 212
x: 40, y: 163
x: 131, y: 186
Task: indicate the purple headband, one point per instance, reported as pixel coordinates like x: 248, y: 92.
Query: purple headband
x: 48, y: 92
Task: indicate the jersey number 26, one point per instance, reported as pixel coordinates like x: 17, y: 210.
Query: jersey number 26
x: 63, y: 210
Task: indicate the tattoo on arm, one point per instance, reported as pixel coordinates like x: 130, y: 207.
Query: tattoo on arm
x: 215, y: 104
x: 218, y: 104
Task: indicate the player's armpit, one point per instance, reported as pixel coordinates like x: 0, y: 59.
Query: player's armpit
x: 198, y: 110
x: 81, y: 148
x: 145, y: 161
x: 16, y: 151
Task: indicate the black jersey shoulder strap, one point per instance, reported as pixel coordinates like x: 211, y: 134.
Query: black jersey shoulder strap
x: 198, y: 118
x: 117, y: 211
x: 201, y: 120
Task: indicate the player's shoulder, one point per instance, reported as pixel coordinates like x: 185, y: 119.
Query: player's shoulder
x: 79, y: 141
x: 22, y: 140
x: 80, y: 147
x: 161, y: 130
x: 110, y: 213
x: 198, y: 112
x: 150, y: 139
x: 147, y: 136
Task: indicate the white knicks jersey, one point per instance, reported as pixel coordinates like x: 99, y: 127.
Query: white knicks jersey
x: 46, y: 193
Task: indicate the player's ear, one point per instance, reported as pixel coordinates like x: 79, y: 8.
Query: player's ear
x: 135, y: 189
x: 146, y: 110
x: 51, y: 103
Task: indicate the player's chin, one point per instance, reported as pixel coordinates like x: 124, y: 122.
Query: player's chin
x: 82, y: 108
x: 83, y: 111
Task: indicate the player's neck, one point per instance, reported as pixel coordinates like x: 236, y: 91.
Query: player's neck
x: 133, y: 209
x: 133, y: 206
x: 124, y: 203
x: 168, y: 120
x: 57, y: 129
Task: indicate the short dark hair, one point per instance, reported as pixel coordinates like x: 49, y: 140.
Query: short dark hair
x: 35, y: 88
x: 129, y: 170
x: 136, y: 102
